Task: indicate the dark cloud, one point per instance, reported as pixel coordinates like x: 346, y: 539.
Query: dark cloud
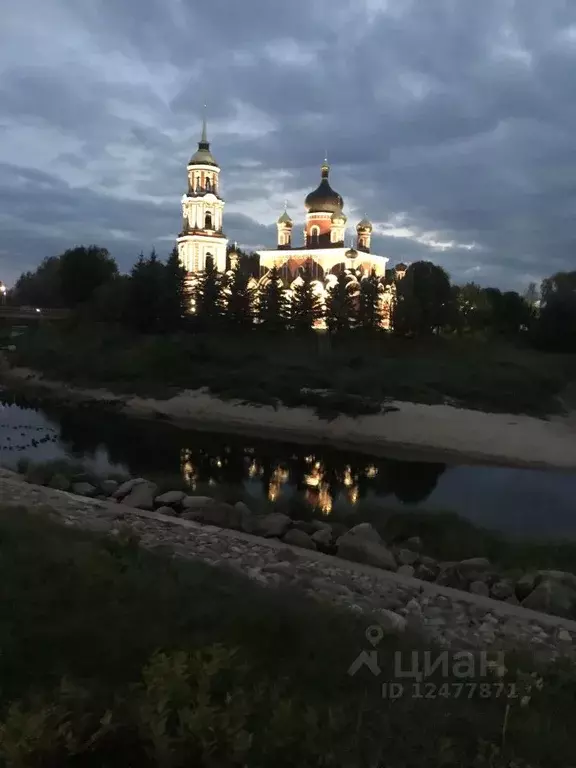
x: 450, y: 124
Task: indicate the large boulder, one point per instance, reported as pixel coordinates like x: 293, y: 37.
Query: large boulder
x: 475, y: 568
x: 551, y: 597
x: 127, y: 486
x: 298, y: 538
x: 562, y: 577
x: 526, y: 584
x: 274, y: 524
x: 221, y: 514
x: 365, y: 532
x: 59, y: 482
x: 141, y: 496
x: 406, y: 557
x: 502, y: 590
x: 84, y: 489
x: 169, y: 499
x: 361, y: 546
x: 246, y: 518
x: 108, y: 487
x: 195, y: 502
x: 323, y: 539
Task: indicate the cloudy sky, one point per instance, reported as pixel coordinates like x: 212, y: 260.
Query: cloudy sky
x: 450, y: 123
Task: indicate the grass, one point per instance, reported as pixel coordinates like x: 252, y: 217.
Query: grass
x: 360, y: 373
x: 118, y: 656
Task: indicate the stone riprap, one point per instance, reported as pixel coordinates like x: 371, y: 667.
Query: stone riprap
x: 442, y: 614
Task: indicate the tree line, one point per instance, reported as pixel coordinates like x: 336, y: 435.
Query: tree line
x: 156, y: 296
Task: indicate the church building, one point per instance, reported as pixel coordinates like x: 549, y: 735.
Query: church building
x: 323, y: 250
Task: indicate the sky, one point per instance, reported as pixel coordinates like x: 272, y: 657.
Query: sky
x: 451, y: 124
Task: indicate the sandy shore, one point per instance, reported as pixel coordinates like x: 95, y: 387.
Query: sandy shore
x: 451, y: 433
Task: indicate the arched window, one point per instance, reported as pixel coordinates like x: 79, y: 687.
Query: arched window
x: 314, y: 235
x: 209, y: 260
x: 208, y: 185
x: 208, y: 221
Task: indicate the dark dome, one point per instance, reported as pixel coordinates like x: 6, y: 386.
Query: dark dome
x: 324, y: 198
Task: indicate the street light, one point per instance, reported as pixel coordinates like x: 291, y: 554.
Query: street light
x: 3, y: 293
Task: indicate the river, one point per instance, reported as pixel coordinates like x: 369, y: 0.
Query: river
x: 518, y: 502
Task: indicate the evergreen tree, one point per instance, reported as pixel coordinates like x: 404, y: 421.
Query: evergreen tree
x: 240, y: 300
x: 306, y: 306
x: 369, y: 309
x: 340, y: 306
x: 209, y: 296
x: 145, y: 294
x: 175, y: 299
x: 424, y: 300
x: 272, y: 308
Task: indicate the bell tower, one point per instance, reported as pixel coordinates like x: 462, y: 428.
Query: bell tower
x: 202, y: 236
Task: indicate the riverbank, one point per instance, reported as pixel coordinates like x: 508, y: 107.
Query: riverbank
x: 89, y: 684
x: 452, y: 434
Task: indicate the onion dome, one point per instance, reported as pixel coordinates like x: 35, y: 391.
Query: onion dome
x: 203, y: 156
x: 285, y: 219
x: 324, y: 199
x: 351, y: 253
x: 400, y: 267
x: 365, y: 225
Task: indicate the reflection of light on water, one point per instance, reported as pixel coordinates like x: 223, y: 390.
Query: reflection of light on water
x: 187, y: 468
x: 211, y: 481
x: 348, y: 479
x: 309, y: 459
x: 312, y: 480
x: 280, y: 475
x: 273, y: 491
x: 371, y: 471
x: 325, y: 500
x: 219, y: 463
x: 253, y: 469
x: 353, y: 495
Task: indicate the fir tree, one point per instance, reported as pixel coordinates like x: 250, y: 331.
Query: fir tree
x: 240, y: 300
x: 272, y: 309
x: 369, y: 309
x: 306, y: 306
x: 145, y: 294
x: 175, y: 299
x: 340, y: 306
x: 208, y: 296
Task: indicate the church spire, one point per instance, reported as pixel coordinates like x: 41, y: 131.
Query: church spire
x: 204, y: 138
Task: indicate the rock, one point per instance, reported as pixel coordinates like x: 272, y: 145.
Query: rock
x: 406, y: 570
x: 406, y: 557
x: 323, y: 538
x: 512, y: 600
x: 450, y: 576
x: 287, y: 554
x: 475, y: 568
x: 304, y: 525
x: 125, y: 487
x: 479, y: 588
x: 244, y: 509
x: 414, y: 542
x: 84, y: 489
x: 564, y: 636
x: 502, y: 590
x: 330, y: 587
x: 37, y: 475
x: 284, y: 568
x: 141, y: 496
x: 59, y: 482
x: 525, y: 585
x: 425, y: 573
x: 365, y: 532
x: 318, y: 525
x: 390, y: 621
x: 298, y: 538
x: 169, y: 499
x: 550, y: 597
x: 563, y: 577
x: 274, y: 524
x: 165, y: 511
x: 363, y: 549
x: 219, y: 513
x: 246, y: 518
x: 108, y: 487
x: 429, y: 562
x: 194, y: 502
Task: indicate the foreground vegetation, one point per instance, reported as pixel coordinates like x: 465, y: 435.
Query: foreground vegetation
x: 360, y: 373
x: 112, y: 656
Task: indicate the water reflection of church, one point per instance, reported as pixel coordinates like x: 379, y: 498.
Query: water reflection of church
x: 322, y: 482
